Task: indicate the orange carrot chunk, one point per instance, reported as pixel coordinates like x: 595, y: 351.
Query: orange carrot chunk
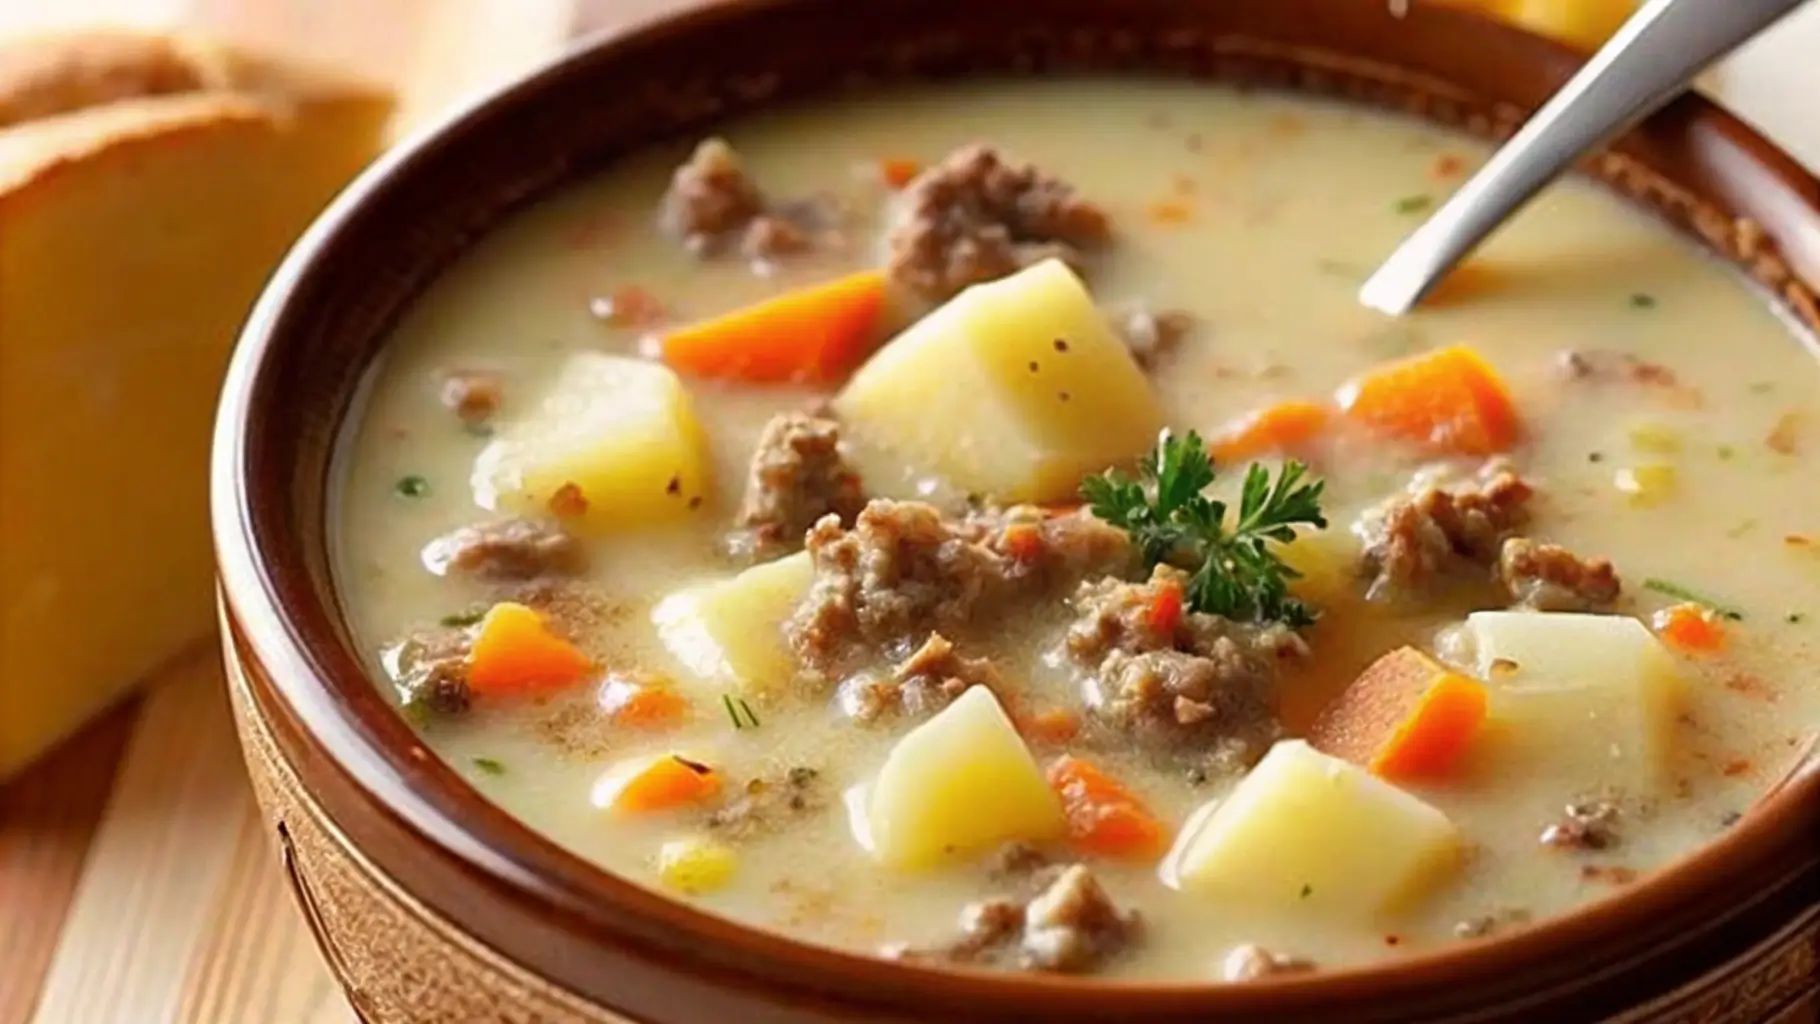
x: 898, y: 171
x: 658, y: 784
x: 1448, y: 399
x: 1282, y: 427
x: 1104, y: 817
x: 1055, y: 725
x: 1689, y: 627
x: 814, y: 335
x: 642, y: 700
x: 1406, y: 717
x: 1165, y: 611
x: 515, y: 652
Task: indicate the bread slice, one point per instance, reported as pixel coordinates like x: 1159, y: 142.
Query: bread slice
x: 148, y: 187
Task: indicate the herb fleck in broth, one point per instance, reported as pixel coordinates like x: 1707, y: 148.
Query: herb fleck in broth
x: 1643, y: 441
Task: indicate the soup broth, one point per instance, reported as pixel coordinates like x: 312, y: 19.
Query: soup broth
x: 1660, y: 417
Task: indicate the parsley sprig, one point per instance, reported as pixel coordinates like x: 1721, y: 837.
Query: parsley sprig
x: 1234, y: 572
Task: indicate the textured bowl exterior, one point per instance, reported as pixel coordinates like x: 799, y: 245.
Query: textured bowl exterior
x: 431, y: 904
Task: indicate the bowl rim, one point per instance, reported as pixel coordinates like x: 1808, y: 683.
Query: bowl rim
x: 293, y: 636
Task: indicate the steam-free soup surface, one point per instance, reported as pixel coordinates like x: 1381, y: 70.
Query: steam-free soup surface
x: 1614, y: 435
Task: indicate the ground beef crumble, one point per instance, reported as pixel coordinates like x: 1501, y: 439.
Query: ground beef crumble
x: 712, y: 201
x: 1414, y: 539
x: 506, y: 550
x: 474, y: 395
x: 921, y: 684
x: 1071, y: 926
x: 1550, y: 578
x: 974, y: 217
x: 1251, y: 962
x: 429, y: 669
x: 1151, y: 336
x: 903, y: 571
x: 766, y: 805
x: 1590, y: 825
x: 797, y: 475
x: 1190, y: 677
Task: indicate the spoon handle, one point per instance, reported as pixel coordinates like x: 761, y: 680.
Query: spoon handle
x: 1650, y: 60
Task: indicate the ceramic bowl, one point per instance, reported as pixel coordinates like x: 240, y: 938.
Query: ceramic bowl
x: 431, y: 904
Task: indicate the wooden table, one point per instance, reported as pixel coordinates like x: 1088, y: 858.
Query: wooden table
x: 136, y: 882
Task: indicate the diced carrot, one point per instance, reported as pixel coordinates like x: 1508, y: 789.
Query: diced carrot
x: 1170, y: 211
x: 1281, y: 427
x: 1448, y: 165
x: 1165, y: 611
x: 1470, y: 280
x: 1689, y: 627
x: 1104, y: 817
x: 1024, y: 541
x: 814, y: 335
x: 642, y: 700
x: 1055, y: 725
x: 1407, y: 716
x: 515, y: 652
x: 659, y: 784
x: 1448, y: 399
x: 898, y: 171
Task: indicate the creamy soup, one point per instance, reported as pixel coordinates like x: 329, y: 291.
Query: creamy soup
x: 792, y: 609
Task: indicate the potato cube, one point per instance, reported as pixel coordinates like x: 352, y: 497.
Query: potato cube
x: 695, y: 865
x: 1592, y: 698
x: 1015, y: 388
x: 1328, y: 561
x: 960, y: 783
x: 732, y: 631
x: 613, y: 444
x: 1315, y: 834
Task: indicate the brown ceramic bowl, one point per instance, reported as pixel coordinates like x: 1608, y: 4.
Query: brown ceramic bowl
x: 433, y: 905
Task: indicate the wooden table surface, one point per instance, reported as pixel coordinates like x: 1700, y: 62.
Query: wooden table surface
x: 136, y: 882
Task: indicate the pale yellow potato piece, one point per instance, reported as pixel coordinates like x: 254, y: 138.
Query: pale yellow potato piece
x: 1329, y: 563
x: 1590, y: 698
x: 960, y: 783
x: 1314, y: 834
x: 731, y: 631
x: 1016, y: 388
x: 620, y: 430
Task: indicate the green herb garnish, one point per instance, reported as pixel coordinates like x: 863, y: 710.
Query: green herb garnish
x: 462, y: 620
x: 1763, y: 387
x: 739, y: 711
x: 1642, y: 300
x: 1233, y: 572
x: 412, y: 486
x: 1414, y: 204
x: 477, y: 428
x: 1676, y: 590
x: 1795, y: 618
x: 489, y: 766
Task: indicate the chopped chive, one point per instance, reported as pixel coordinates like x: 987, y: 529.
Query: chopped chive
x: 1741, y: 529
x: 462, y: 620
x: 1794, y: 618
x: 1341, y: 268
x: 1414, y: 204
x: 412, y: 486
x: 1595, y: 456
x: 1676, y: 590
x: 1307, y: 891
x: 477, y: 428
x: 1726, y: 452
x: 489, y: 766
x: 1642, y: 300
x: 1763, y: 387
x: 739, y: 711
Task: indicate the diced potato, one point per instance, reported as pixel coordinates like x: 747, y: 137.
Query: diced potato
x: 1646, y: 485
x: 1015, y: 388
x: 696, y: 865
x: 960, y: 783
x: 732, y: 631
x: 1589, y: 697
x: 1654, y: 437
x: 1312, y: 833
x: 1328, y: 561
x: 621, y: 431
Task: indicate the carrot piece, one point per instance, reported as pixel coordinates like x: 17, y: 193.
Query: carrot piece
x: 1169, y: 211
x: 1284, y: 426
x: 1024, y: 542
x: 1104, y: 817
x: 1467, y: 282
x: 1448, y: 399
x: 898, y: 171
x: 1055, y: 725
x: 1689, y: 627
x: 658, y: 784
x: 643, y: 700
x: 813, y: 335
x: 515, y: 652
x: 1165, y: 611
x: 1407, y: 716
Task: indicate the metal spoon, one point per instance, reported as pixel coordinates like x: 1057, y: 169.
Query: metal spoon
x: 1649, y: 61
